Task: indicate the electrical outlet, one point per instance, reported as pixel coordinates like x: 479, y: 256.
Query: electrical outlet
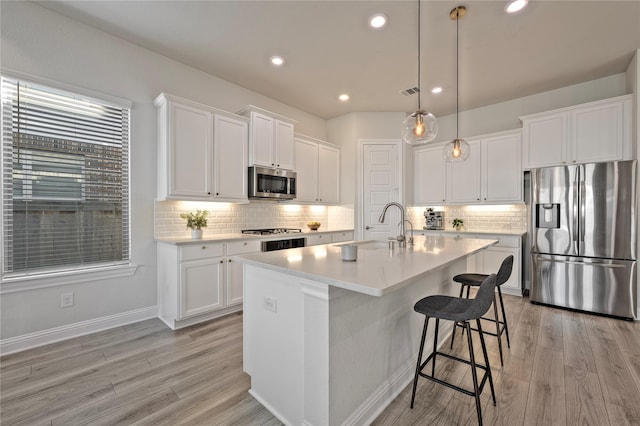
x: 270, y: 303
x: 66, y: 300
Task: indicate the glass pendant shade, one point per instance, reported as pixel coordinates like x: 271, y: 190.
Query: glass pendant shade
x: 456, y: 151
x: 419, y: 127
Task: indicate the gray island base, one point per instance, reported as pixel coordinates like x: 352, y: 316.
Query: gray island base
x: 328, y: 342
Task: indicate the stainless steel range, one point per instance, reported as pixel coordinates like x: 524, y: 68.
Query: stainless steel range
x: 282, y: 244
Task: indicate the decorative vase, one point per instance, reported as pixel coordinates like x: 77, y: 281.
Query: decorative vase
x: 196, y: 234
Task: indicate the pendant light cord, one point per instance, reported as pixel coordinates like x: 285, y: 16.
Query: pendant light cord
x: 419, y: 89
x: 457, y: 70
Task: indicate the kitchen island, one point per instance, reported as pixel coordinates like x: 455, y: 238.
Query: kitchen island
x: 331, y: 342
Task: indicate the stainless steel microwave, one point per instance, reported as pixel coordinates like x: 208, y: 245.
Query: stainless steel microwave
x: 265, y: 182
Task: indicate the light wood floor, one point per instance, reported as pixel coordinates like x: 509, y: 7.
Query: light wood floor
x: 562, y: 368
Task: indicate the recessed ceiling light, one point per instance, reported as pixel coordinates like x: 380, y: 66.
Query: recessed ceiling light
x: 514, y: 6
x: 277, y: 60
x: 344, y: 97
x: 436, y: 90
x: 378, y: 20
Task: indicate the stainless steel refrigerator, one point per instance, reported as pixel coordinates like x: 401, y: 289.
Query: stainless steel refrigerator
x: 583, y: 237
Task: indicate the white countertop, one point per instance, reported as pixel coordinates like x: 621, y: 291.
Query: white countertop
x: 222, y: 238
x: 378, y: 270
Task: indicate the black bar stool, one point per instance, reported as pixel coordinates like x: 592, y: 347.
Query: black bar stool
x: 474, y: 280
x: 462, y: 311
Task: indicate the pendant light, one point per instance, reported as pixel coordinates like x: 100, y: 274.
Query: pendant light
x: 458, y: 149
x: 421, y: 126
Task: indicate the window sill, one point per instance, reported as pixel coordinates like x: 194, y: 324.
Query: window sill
x: 53, y: 279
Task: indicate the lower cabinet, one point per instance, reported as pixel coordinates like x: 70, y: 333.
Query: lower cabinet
x: 200, y: 286
x: 317, y: 239
x: 338, y: 237
x: 197, y: 282
x: 234, y: 278
x: 488, y: 261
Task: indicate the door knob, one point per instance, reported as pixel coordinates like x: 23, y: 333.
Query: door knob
x: 368, y: 227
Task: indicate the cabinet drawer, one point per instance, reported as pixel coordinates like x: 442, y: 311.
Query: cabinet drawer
x: 201, y: 251
x: 341, y: 236
x: 313, y: 240
x: 241, y: 247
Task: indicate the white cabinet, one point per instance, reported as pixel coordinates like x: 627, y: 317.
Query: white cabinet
x: 197, y: 282
x: 429, y: 170
x: 501, y: 176
x: 316, y: 239
x: 488, y: 261
x: 200, y: 286
x: 230, y: 158
x: 491, y: 174
x: 592, y: 132
x: 202, y: 152
x: 234, y: 276
x: 270, y: 139
x: 190, y: 281
x: 338, y: 237
x: 463, y: 178
x: 318, y: 171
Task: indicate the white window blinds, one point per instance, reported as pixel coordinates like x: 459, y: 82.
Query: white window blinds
x: 65, y: 180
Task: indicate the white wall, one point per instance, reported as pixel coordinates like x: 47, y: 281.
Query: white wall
x: 45, y: 44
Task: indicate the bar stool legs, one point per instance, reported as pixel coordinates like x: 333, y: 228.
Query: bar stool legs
x: 501, y: 324
x: 477, y: 385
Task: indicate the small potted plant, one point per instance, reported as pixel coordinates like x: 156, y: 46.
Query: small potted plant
x: 196, y: 221
x: 457, y: 223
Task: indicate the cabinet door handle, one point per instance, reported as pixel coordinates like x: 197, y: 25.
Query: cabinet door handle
x: 208, y: 193
x: 204, y: 247
x: 222, y: 261
x: 229, y: 260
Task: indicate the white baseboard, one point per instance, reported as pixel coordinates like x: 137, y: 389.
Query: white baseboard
x: 52, y: 335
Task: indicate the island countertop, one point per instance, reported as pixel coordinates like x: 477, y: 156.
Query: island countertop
x: 377, y: 270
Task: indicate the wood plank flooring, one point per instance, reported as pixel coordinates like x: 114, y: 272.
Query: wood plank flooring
x: 563, y: 368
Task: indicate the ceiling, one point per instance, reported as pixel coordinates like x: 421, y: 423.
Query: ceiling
x: 329, y: 48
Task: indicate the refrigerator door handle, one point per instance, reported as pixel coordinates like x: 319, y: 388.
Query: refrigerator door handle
x: 575, y: 212
x: 573, y: 262
x: 582, y: 210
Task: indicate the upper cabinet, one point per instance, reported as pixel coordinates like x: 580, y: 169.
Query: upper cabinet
x: 270, y: 139
x: 592, y: 132
x: 202, y: 152
x: 429, y: 176
x: 491, y: 174
x: 318, y: 171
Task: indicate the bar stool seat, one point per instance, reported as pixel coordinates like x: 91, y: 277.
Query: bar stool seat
x: 469, y: 280
x: 460, y: 311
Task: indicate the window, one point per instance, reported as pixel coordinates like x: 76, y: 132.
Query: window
x: 65, y: 181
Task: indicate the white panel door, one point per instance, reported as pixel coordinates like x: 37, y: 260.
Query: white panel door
x: 502, y: 169
x: 261, y: 140
x: 306, y: 170
x: 284, y: 146
x: 429, y: 176
x: 191, y: 156
x: 597, y: 133
x: 463, y: 179
x: 230, y: 158
x: 328, y: 174
x: 545, y: 140
x: 381, y: 185
x: 201, y: 286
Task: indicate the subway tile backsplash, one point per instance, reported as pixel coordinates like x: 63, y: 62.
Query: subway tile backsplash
x: 478, y: 218
x: 227, y: 218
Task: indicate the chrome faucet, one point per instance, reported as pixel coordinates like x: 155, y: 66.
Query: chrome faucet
x: 400, y: 238
x: 411, y: 237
